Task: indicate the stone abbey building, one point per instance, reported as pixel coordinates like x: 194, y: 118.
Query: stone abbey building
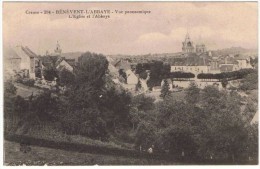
x: 188, y: 46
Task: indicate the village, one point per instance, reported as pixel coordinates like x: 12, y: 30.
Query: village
x: 195, y: 59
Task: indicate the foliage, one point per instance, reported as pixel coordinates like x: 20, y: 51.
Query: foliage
x: 123, y: 75
x: 192, y: 93
x: 239, y: 74
x: 158, y: 72
x: 250, y: 82
x: 28, y: 82
x: 143, y: 75
x: 66, y: 77
x: 146, y: 134
x: 224, y: 83
x: 92, y: 70
x: 86, y: 122
x: 181, y: 75
x: 50, y: 73
x: 9, y: 88
x: 38, y: 72
x: 165, y: 89
x: 138, y: 85
x: 254, y: 61
x: 142, y: 67
x: 44, y: 106
x: 143, y: 103
x: 116, y: 105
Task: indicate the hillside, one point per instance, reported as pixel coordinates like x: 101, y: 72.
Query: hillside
x: 235, y: 50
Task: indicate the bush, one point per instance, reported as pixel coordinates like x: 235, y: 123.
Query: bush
x: 28, y: 82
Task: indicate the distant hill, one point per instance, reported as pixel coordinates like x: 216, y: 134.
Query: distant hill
x: 236, y: 50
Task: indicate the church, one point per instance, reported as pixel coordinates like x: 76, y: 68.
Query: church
x: 188, y: 46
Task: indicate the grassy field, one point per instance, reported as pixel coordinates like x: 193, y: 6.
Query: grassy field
x: 176, y: 95
x: 47, y: 156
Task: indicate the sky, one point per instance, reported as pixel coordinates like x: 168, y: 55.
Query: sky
x: 217, y: 24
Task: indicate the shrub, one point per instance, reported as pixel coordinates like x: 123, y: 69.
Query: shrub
x: 28, y: 82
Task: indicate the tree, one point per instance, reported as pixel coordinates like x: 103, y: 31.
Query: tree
x: 145, y: 135
x: 50, y: 73
x: 66, y: 77
x: 123, y: 75
x: 165, y: 89
x: 142, y: 102
x: 224, y: 125
x: 143, y: 75
x: 116, y: 105
x: 9, y: 89
x: 38, y: 73
x: 86, y: 122
x: 250, y: 82
x: 157, y: 73
x: 192, y: 93
x: 224, y: 83
x: 138, y: 86
x: 44, y: 106
x: 91, y: 71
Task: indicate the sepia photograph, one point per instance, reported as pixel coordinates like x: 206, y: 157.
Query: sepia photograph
x: 130, y: 83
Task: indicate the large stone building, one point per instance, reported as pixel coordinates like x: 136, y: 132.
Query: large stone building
x: 187, y: 45
x: 21, y: 59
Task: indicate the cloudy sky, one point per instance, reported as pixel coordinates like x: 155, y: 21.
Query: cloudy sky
x: 217, y: 24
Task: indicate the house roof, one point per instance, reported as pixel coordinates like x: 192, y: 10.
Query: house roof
x: 227, y: 60
x: 122, y: 64
x: 71, y: 62
x: 192, y: 60
x: 29, y: 52
x: 9, y: 53
x: 18, y: 52
x: 226, y: 67
x: 240, y: 57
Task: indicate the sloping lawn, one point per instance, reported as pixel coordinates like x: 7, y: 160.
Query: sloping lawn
x: 47, y: 156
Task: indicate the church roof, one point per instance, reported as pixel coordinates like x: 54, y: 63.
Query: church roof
x: 192, y: 59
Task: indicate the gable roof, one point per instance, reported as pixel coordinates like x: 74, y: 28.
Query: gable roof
x: 9, y: 53
x: 18, y: 52
x: 122, y: 64
x: 29, y: 52
x: 241, y: 57
x: 192, y: 60
x: 226, y: 67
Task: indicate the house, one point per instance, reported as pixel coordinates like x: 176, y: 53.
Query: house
x: 243, y: 62
x: 122, y: 64
x: 131, y: 78
x: 12, y: 60
x: 23, y: 59
x: 68, y: 64
x: 226, y: 67
x: 192, y: 63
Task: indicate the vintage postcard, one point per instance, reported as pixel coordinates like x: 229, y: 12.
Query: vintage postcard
x: 130, y: 83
